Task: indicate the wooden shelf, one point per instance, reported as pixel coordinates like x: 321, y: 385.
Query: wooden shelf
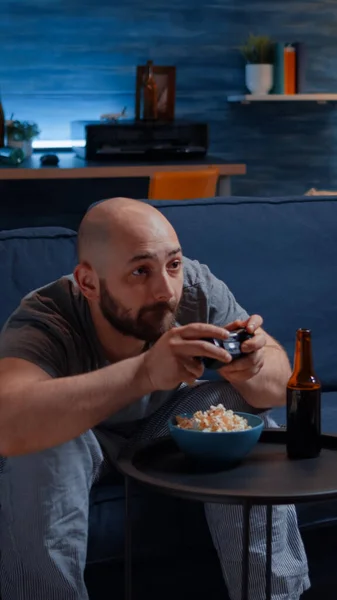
x: 319, y: 98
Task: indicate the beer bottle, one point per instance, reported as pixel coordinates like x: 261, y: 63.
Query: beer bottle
x: 303, y: 402
x: 150, y: 100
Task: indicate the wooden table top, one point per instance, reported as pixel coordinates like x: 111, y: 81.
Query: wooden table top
x: 72, y: 167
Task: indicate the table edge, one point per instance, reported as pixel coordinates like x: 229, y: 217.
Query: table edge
x: 125, y: 466
x: 113, y: 171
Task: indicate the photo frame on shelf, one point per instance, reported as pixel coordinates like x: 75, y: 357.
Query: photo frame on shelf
x: 165, y: 78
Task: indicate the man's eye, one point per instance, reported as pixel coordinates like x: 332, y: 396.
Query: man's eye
x: 176, y: 264
x: 140, y: 271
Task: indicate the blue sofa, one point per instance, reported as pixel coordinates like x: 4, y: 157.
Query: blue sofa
x: 279, y: 258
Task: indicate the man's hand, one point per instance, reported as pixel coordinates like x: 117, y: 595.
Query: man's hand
x: 174, y: 357
x: 247, y: 367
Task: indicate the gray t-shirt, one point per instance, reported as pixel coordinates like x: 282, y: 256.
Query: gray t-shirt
x: 53, y: 328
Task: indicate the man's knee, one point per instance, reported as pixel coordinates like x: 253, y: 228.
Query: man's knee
x: 39, y: 491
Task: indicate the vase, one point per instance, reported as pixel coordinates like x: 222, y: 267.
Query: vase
x: 25, y: 145
x: 259, y: 79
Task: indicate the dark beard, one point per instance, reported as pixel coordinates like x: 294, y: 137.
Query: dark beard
x: 150, y: 323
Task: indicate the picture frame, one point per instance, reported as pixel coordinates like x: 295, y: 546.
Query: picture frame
x: 165, y: 77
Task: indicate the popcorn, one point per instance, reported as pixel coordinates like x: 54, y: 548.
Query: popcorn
x: 215, y: 419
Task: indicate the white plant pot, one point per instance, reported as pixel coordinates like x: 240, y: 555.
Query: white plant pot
x: 26, y: 146
x: 259, y: 79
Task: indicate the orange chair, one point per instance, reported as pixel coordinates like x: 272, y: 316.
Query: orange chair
x: 183, y: 185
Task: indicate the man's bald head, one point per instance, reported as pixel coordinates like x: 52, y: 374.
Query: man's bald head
x: 130, y: 268
x: 118, y: 221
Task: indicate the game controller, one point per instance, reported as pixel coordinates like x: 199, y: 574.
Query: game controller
x: 232, y: 344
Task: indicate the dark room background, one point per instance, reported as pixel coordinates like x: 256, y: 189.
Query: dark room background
x: 63, y: 60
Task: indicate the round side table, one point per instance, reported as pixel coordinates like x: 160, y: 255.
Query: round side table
x: 266, y: 477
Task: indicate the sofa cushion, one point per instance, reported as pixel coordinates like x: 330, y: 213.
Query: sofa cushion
x: 278, y: 256
x: 31, y: 258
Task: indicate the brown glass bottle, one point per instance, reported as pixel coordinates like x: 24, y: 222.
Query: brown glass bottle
x: 2, y: 126
x: 303, y: 402
x: 150, y: 100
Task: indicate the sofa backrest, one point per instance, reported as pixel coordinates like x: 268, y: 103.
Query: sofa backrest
x: 31, y: 258
x: 278, y: 256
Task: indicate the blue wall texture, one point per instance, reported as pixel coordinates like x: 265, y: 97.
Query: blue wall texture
x: 63, y: 60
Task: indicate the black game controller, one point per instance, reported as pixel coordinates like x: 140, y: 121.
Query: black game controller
x: 232, y: 344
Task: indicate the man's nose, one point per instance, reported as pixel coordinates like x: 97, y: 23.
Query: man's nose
x: 162, y: 288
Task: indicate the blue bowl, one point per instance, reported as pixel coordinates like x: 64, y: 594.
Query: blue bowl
x: 224, y: 448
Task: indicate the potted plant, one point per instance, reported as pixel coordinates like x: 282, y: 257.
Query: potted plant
x: 258, y: 52
x: 20, y: 135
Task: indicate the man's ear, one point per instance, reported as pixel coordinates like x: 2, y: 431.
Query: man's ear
x: 87, y: 280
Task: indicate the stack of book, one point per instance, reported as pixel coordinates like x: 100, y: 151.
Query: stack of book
x: 289, y: 68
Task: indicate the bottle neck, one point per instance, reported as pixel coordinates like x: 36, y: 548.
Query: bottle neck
x: 303, y: 352
x: 303, y: 374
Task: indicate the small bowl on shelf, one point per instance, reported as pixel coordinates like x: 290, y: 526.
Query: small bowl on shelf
x: 223, y: 448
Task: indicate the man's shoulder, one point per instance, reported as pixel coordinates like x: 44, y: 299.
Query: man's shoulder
x: 197, y: 289
x: 60, y: 292
x: 195, y: 274
x: 205, y: 298
x: 49, y: 301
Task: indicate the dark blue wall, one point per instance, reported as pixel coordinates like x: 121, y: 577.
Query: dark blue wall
x: 75, y: 59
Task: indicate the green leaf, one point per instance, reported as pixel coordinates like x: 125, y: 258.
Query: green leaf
x: 20, y: 131
x: 258, y: 49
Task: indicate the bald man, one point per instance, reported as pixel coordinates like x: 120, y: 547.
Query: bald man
x: 105, y: 357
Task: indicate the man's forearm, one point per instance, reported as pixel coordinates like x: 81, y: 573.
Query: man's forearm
x: 51, y: 412
x: 268, y: 387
